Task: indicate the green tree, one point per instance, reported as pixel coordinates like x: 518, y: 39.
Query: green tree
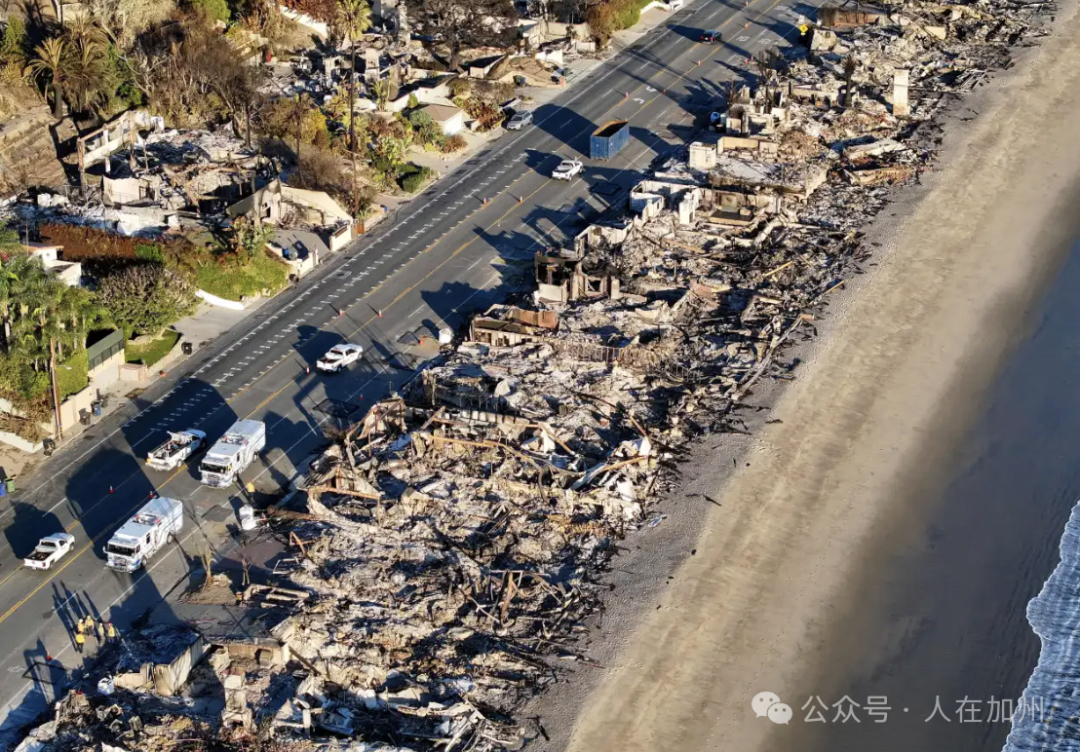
x: 354, y: 18
x: 218, y: 10
x: 13, y: 43
x: 249, y: 239
x: 9, y: 280
x: 48, y: 68
x: 87, y: 77
x: 380, y: 90
x: 419, y: 118
x: 145, y: 298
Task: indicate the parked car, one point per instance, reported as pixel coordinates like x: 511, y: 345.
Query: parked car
x: 49, y: 550
x: 712, y: 37
x: 519, y: 120
x: 339, y: 357
x: 567, y: 169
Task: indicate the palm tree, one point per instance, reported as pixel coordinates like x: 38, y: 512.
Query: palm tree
x: 83, y: 31
x: 88, y: 50
x: 381, y: 91
x: 81, y: 311
x: 86, y: 73
x: 354, y: 18
x: 8, y: 278
x: 50, y: 67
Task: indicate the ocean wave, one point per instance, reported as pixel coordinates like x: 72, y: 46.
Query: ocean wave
x: 1047, y: 717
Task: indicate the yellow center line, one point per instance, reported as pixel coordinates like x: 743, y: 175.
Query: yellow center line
x: 378, y: 286
x: 53, y: 573
x: 406, y: 291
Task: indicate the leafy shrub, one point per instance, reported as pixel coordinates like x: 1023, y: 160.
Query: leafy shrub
x: 454, y: 143
x: 20, y: 384
x: 73, y: 376
x: 605, y: 18
x: 103, y: 251
x: 13, y: 43
x: 432, y: 135
x: 216, y: 9
x: 419, y: 118
x: 278, y: 120
x: 149, y: 252
x: 485, y: 114
x: 413, y: 181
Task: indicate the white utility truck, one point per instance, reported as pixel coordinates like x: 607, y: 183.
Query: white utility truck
x: 232, y: 453
x: 180, y: 446
x: 144, y: 534
x: 50, y: 549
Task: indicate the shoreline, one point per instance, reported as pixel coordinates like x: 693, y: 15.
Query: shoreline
x: 868, y: 428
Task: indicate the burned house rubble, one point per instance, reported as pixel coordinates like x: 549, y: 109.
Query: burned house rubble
x: 447, y: 552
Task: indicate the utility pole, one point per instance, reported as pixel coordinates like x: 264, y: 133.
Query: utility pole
x: 55, y: 391
x: 299, y: 127
x: 352, y: 127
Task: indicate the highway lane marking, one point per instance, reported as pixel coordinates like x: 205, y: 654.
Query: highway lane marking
x: 480, y: 165
x: 54, y: 573
x: 394, y: 301
x: 148, y: 570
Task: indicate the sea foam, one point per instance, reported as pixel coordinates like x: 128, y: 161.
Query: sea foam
x: 1048, y: 717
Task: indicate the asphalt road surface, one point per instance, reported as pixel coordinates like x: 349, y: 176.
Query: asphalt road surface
x: 457, y: 249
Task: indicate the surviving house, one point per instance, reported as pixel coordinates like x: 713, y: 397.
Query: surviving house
x: 68, y: 272
x: 450, y: 119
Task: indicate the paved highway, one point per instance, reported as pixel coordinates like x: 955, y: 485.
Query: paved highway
x: 453, y: 251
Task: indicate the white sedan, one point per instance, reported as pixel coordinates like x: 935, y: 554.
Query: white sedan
x: 567, y: 169
x: 339, y: 357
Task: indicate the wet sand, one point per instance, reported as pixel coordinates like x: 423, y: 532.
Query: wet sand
x: 885, y: 538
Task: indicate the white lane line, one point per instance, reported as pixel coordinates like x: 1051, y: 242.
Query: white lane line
x: 524, y: 154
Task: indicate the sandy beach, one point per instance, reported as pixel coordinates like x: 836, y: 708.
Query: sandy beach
x: 787, y: 574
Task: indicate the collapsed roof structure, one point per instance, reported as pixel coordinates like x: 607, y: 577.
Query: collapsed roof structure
x: 448, y: 550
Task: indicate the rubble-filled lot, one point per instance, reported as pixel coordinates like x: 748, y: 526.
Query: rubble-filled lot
x: 447, y: 552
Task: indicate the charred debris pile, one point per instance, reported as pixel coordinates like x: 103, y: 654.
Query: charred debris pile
x: 448, y: 550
